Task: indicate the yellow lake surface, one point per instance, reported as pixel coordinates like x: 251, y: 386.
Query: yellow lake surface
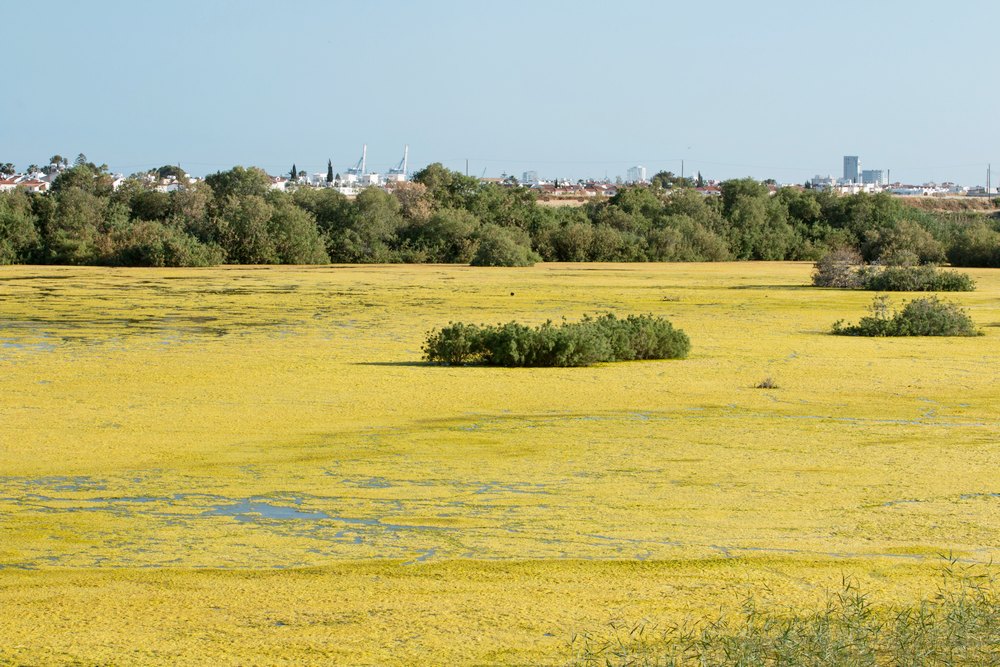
x: 252, y: 465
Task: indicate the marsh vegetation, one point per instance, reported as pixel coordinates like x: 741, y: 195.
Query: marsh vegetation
x: 253, y: 465
x: 958, y: 626
x: 592, y: 340
x: 845, y: 268
x: 927, y: 316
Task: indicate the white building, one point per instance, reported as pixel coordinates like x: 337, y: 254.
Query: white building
x: 822, y: 182
x: 529, y: 178
x: 636, y: 174
x: 855, y: 188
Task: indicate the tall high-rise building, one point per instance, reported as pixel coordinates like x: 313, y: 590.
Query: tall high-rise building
x: 529, y: 178
x: 636, y: 174
x: 852, y: 169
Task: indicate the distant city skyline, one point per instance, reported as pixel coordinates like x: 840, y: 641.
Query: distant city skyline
x: 732, y: 90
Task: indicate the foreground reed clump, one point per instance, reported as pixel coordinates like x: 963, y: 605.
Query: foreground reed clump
x: 921, y: 317
x: 589, y: 341
x: 960, y: 625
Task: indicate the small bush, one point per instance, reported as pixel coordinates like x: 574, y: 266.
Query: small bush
x: 838, y: 268
x: 845, y: 268
x: 914, y: 279
x: 766, y: 383
x: 456, y: 344
x: 928, y: 316
x: 590, y: 341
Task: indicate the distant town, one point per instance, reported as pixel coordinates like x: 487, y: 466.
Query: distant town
x: 357, y: 177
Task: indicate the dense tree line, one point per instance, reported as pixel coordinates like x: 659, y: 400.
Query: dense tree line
x: 444, y: 216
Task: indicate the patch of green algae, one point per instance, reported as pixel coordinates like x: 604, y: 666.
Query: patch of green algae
x: 250, y: 464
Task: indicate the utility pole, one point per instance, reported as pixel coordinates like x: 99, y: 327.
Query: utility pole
x: 988, y: 178
x: 682, y: 170
x: 466, y: 166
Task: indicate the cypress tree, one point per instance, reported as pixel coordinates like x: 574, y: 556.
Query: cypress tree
x: 294, y: 172
x: 329, y: 171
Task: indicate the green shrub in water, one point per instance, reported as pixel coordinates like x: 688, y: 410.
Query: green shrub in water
x: 589, y: 341
x: 928, y: 316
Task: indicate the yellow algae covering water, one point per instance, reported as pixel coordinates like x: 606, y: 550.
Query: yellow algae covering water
x: 252, y: 465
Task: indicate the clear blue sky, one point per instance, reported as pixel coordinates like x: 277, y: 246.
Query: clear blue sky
x: 570, y: 89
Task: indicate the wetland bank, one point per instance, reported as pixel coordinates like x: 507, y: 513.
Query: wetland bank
x: 248, y: 464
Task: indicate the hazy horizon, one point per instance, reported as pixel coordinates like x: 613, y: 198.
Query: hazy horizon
x: 781, y: 91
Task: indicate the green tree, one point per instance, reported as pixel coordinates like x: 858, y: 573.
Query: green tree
x: 149, y: 243
x: 504, y: 206
x: 903, y: 243
x: 668, y: 180
x: 84, y: 177
x: 18, y: 228
x: 76, y: 227
x: 296, y: 238
x: 571, y: 242
x: 239, y: 182
x: 7, y: 169
x: 803, y: 207
x: 242, y: 230
x: 448, y: 188
x: 333, y: 211
x: 376, y: 219
x: 735, y: 189
x: 680, y: 238
x: 503, y: 246
x: 976, y: 243
x: 150, y: 205
x: 293, y: 175
x: 757, y: 224
x: 705, y: 211
x: 448, y: 236
x: 638, y: 200
x: 172, y: 171
x: 189, y: 210
x: 329, y: 171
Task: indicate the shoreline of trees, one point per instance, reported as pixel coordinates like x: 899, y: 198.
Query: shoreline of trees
x: 442, y: 216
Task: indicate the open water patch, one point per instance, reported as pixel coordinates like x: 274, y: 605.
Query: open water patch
x: 55, y: 483
x: 254, y: 510
x: 367, y: 482
x: 973, y: 496
x: 514, y: 487
x: 10, y: 344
